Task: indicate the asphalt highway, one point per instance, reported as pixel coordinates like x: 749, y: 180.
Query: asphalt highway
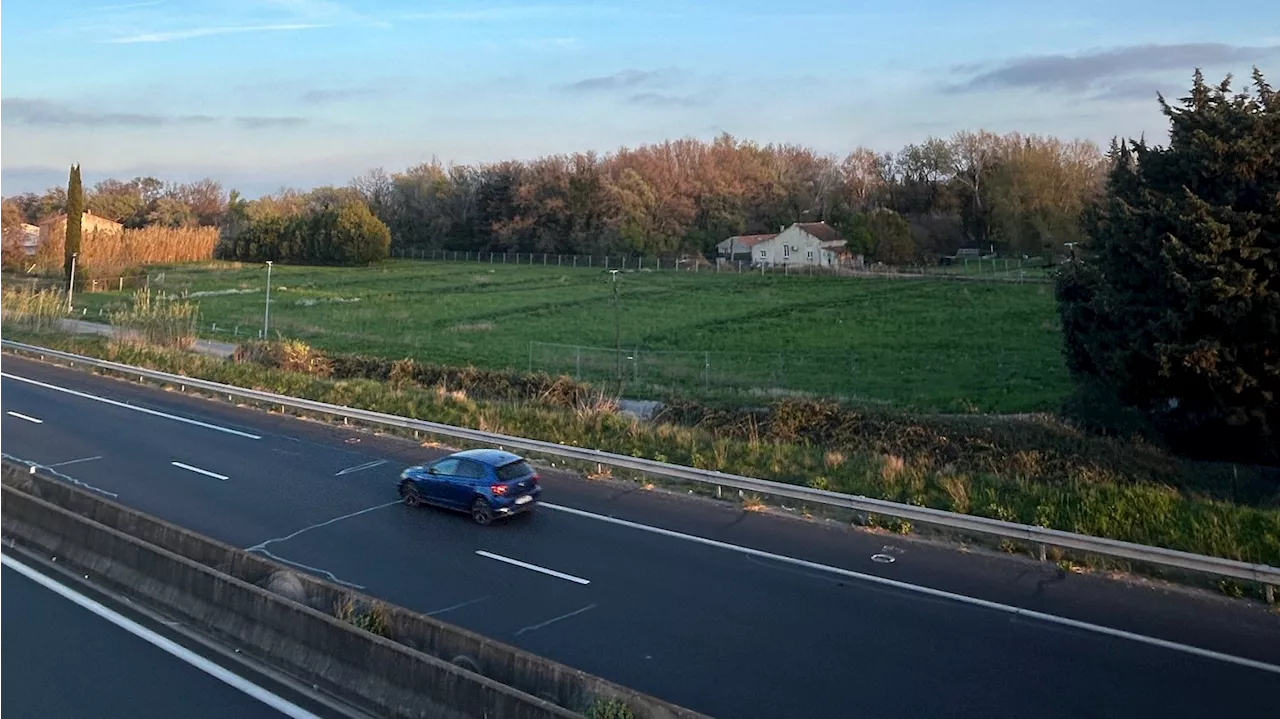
x: 63, y: 659
x: 690, y: 600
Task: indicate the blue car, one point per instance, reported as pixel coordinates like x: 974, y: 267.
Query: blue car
x: 487, y: 483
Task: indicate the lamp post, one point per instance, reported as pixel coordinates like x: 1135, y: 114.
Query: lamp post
x: 71, y: 283
x: 266, y: 313
x: 617, y: 329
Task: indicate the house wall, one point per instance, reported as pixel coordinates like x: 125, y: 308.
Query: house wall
x: 90, y: 223
x: 805, y: 250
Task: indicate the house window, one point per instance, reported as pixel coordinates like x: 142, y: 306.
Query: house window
x: 786, y: 250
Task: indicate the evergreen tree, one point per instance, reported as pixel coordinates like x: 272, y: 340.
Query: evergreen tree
x: 75, y: 217
x: 1172, y: 305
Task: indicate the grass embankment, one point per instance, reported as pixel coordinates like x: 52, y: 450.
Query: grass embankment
x: 928, y: 345
x: 1042, y: 474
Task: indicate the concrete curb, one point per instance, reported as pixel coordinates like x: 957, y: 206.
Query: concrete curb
x: 425, y: 667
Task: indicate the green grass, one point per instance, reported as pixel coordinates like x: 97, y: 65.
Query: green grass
x: 930, y: 345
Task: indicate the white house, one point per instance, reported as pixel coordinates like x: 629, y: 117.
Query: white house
x: 815, y: 244
x: 24, y: 237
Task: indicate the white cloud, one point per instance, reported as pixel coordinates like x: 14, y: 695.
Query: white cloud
x: 172, y: 35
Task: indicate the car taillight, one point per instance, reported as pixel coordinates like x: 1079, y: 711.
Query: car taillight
x: 534, y: 479
x: 498, y: 489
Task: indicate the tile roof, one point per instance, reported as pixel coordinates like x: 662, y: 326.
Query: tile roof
x: 751, y: 240
x: 820, y: 230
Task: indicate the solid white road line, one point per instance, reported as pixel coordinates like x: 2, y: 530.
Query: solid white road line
x: 1017, y: 611
x: 23, y: 416
x: 549, y: 622
x: 217, y: 671
x: 74, y: 461
x: 197, y: 470
x: 134, y: 407
x: 359, y: 467
x: 534, y: 567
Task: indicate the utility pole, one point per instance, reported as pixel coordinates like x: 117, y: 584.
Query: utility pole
x: 71, y: 283
x: 266, y: 314
x: 617, y: 329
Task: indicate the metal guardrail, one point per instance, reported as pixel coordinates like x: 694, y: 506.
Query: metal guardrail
x: 1265, y: 574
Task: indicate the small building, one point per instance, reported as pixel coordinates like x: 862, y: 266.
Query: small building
x: 90, y: 223
x: 739, y: 247
x: 803, y: 244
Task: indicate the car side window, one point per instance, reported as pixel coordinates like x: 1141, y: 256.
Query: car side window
x: 470, y: 470
x: 446, y: 466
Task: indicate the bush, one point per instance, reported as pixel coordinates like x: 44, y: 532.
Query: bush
x: 340, y: 233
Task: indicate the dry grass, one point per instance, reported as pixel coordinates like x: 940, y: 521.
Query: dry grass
x: 106, y: 254
x: 892, y: 467
x: 32, y: 310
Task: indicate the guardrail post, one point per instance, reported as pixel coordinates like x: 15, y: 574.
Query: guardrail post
x: 1271, y: 593
x: 1043, y: 553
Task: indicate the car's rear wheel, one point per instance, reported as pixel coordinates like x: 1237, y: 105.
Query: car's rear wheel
x: 481, y: 512
x: 409, y: 494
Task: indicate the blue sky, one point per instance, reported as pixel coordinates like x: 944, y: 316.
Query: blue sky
x: 260, y: 94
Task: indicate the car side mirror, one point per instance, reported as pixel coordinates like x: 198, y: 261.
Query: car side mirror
x: 432, y: 470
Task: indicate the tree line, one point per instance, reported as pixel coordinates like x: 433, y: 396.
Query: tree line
x: 1020, y: 194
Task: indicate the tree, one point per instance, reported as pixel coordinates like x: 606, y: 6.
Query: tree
x: 1173, y: 306
x: 75, y: 218
x: 891, y: 235
x: 10, y: 215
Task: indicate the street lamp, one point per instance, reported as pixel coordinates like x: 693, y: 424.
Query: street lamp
x: 617, y: 328
x: 266, y: 313
x: 71, y: 283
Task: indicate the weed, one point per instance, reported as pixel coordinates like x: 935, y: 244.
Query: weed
x: 603, y: 708
x: 372, y: 619
x: 753, y: 503
x: 1230, y: 587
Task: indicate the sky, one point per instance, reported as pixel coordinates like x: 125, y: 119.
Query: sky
x: 261, y: 94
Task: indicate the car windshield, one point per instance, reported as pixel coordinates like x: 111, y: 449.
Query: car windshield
x: 515, y: 470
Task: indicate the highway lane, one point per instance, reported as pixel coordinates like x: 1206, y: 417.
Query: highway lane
x: 64, y: 660
x: 725, y: 633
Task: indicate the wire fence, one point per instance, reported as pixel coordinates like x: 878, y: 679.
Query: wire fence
x: 977, y: 268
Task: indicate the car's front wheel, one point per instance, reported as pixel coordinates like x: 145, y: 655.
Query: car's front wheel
x: 409, y: 494
x: 481, y: 512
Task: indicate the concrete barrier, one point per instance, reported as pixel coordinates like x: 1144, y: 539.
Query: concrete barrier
x: 555, y: 685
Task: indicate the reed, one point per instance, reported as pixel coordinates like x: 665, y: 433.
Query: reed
x: 155, y: 319
x: 40, y: 310
x: 104, y: 254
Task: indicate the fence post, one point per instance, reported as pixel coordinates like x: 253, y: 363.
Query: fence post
x: 122, y: 284
x: 706, y: 372
x: 577, y: 367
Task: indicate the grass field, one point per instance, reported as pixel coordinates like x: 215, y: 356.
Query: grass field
x: 918, y: 343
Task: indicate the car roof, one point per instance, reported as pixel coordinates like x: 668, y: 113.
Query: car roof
x: 491, y: 457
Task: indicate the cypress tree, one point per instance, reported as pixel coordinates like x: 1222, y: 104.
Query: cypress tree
x: 75, y: 217
x: 1172, y: 307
